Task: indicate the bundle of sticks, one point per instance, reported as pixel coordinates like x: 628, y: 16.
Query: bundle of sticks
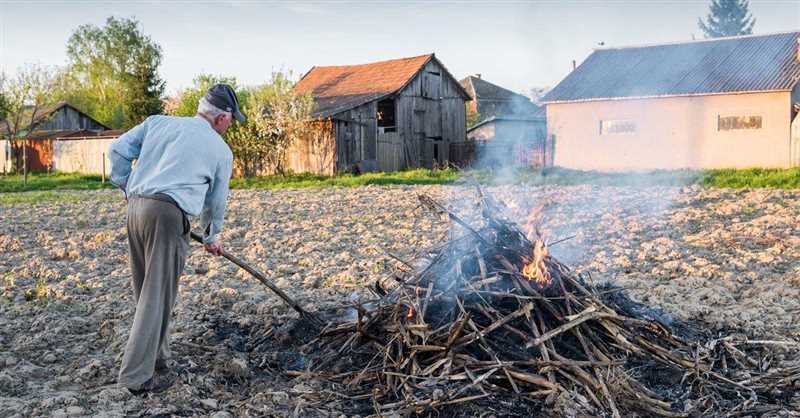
x: 493, y: 317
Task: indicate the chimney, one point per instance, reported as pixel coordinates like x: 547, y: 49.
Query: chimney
x: 573, y: 65
x: 798, y: 49
x: 478, y: 75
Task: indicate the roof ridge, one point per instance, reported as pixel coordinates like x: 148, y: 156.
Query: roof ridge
x: 502, y: 88
x: 374, y: 62
x: 693, y: 41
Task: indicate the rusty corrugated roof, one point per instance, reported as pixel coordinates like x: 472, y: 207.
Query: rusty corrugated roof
x: 342, y: 87
x: 724, y: 65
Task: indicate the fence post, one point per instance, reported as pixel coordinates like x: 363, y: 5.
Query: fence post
x: 104, y: 168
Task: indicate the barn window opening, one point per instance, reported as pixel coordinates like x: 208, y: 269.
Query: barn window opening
x: 731, y: 123
x: 436, y: 152
x: 386, y: 115
x: 617, y: 126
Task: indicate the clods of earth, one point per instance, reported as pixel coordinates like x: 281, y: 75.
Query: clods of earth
x: 728, y: 257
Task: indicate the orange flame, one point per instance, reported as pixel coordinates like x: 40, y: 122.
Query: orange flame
x: 536, y: 269
x: 411, y: 313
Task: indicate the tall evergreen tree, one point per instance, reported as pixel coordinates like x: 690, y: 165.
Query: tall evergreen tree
x: 727, y: 18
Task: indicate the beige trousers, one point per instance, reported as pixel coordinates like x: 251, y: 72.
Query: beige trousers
x: 158, y: 235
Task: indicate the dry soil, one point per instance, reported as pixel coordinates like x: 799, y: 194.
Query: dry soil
x: 729, y: 257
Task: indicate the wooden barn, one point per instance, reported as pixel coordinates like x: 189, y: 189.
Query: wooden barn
x: 384, y: 116
x: 61, y: 121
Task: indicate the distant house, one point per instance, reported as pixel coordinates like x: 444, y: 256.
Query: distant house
x: 491, y: 100
x: 511, y: 130
x: 56, y: 123
x: 716, y: 103
x: 511, y: 141
x: 386, y: 116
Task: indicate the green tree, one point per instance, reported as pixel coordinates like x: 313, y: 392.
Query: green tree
x: 4, y: 103
x: 112, y: 72
x: 727, y: 18
x: 277, y: 117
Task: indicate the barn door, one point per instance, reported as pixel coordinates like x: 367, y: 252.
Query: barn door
x: 795, y: 152
x: 433, y: 91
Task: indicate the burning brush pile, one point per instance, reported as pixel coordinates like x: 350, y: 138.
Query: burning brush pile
x: 494, y: 323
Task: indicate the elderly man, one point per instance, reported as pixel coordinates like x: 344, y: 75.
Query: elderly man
x: 182, y: 168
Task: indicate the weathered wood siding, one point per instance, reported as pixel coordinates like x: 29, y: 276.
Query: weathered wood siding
x: 316, y: 153
x: 356, y: 138
x: 430, y: 116
x: 390, y: 152
x: 69, y: 118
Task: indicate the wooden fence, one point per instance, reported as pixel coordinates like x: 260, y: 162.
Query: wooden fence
x: 5, y: 156
x: 85, y: 156
x: 390, y: 152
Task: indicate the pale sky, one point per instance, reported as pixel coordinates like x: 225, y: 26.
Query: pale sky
x: 512, y: 43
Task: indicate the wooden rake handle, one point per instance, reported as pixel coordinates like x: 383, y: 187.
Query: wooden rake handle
x: 260, y: 276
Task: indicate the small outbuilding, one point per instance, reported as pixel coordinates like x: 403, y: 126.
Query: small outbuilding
x: 510, y: 131
x: 714, y: 103
x: 511, y: 141
x: 384, y: 116
x: 43, y: 144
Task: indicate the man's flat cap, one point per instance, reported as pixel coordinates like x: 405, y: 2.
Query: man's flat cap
x: 224, y: 98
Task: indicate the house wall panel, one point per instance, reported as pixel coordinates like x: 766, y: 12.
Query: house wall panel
x: 672, y: 133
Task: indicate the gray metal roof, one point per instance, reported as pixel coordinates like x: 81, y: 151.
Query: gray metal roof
x: 493, y: 100
x: 724, y: 65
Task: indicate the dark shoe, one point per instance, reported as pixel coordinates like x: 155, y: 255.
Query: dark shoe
x: 156, y: 384
x: 161, y: 366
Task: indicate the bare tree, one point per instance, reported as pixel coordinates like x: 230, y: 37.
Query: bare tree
x: 24, y: 96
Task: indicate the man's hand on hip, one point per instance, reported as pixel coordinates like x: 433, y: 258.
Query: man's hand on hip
x: 214, y: 248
